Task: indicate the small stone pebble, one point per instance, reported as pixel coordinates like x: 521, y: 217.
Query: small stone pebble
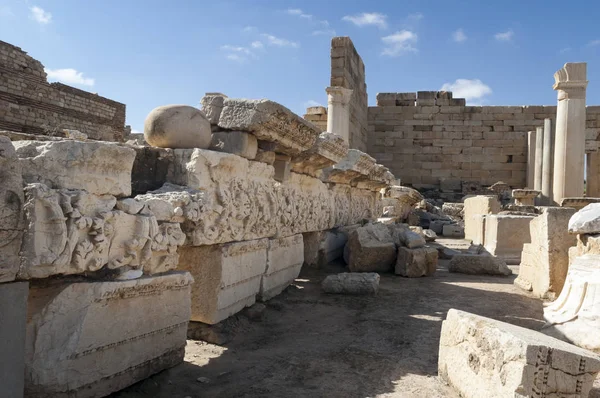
x: 203, y: 379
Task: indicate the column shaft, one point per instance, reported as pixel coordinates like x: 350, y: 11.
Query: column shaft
x: 539, y: 155
x: 547, y: 164
x: 530, y: 159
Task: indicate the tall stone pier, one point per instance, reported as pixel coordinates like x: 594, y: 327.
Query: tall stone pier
x: 338, y: 111
x: 539, y: 156
x: 547, y: 164
x: 530, y: 159
x: 569, y: 145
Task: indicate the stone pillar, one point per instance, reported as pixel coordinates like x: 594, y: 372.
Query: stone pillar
x: 592, y: 187
x: 547, y: 164
x: 569, y: 143
x: 530, y: 159
x: 539, y: 154
x: 338, y: 111
x: 13, y: 316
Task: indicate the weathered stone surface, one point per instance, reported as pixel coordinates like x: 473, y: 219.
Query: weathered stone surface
x: 575, y: 315
x: 227, y: 277
x: 13, y: 316
x: 149, y: 168
x: 371, y: 249
x: 91, y: 339
x: 355, y: 164
x: 363, y: 283
x: 474, y: 208
x: 453, y: 231
x: 437, y: 226
x: 282, y: 167
x: 505, y: 236
x: 97, y: 167
x: 75, y: 232
x: 328, y: 150
x: 267, y: 157
x: 11, y: 210
x: 212, y: 105
x: 477, y: 264
x: 578, y: 203
x: 482, y: 357
x: 177, y: 126
x: 353, y: 205
x: 414, y: 263
x: 284, y: 262
x: 380, y: 177
x: 586, y: 220
x: 235, y: 142
x: 269, y: 121
x: 456, y: 210
x: 545, y: 261
x: 524, y: 197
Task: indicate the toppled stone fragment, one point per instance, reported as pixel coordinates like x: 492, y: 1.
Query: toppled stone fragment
x: 235, y: 142
x: 456, y: 210
x: 355, y: 164
x: 586, y: 220
x: 482, y: 357
x: 352, y: 283
x: 524, y: 197
x: 371, y: 249
x: 269, y: 121
x: 328, y: 150
x: 414, y: 263
x: 177, y: 126
x: 476, y: 264
x: 402, y: 235
x: 453, y: 231
x: 212, y: 105
x: 97, y: 167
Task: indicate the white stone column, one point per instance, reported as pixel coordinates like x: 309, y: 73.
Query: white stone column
x: 592, y: 188
x: 530, y: 159
x: 547, y: 164
x: 338, y: 111
x: 539, y: 155
x: 569, y: 143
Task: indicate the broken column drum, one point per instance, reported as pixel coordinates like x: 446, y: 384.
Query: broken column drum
x: 338, y: 111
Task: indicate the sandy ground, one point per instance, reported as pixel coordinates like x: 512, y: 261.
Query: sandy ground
x: 309, y: 344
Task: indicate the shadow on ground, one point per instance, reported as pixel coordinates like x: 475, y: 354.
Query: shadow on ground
x: 310, y: 344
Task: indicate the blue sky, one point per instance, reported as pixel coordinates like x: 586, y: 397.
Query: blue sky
x: 150, y: 53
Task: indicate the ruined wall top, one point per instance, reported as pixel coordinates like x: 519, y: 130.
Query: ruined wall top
x: 17, y: 60
x: 420, y: 98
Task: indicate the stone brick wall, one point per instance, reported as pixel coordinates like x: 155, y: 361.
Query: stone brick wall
x: 348, y: 71
x: 29, y: 104
x: 317, y: 115
x: 431, y: 137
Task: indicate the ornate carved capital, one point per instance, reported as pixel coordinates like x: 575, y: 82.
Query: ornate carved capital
x: 339, y: 94
x: 570, y: 81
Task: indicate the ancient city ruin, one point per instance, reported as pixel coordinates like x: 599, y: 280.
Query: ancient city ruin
x: 464, y: 241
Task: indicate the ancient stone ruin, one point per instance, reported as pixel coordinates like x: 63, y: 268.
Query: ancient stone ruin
x: 116, y: 249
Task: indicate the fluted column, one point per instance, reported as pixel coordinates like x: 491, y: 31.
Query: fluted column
x: 539, y: 156
x: 569, y: 143
x: 547, y: 164
x: 530, y: 159
x: 338, y: 111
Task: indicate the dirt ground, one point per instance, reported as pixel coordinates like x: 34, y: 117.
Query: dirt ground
x: 310, y: 344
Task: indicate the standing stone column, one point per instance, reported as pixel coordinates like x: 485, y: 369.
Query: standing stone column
x: 569, y: 143
x: 539, y: 155
x: 547, y: 164
x: 592, y: 187
x: 530, y: 159
x: 338, y: 111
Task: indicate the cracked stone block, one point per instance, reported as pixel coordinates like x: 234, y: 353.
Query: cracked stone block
x: 97, y: 167
x: 284, y: 262
x: 474, y: 208
x: 227, y: 277
x: 370, y: 248
x: 414, y: 263
x: 89, y: 339
x: 235, y: 142
x: 355, y: 164
x: 212, y: 105
x: 482, y: 357
x: 352, y: 283
x: 328, y: 150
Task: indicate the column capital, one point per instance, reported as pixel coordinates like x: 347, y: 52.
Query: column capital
x: 339, y: 94
x: 571, y: 81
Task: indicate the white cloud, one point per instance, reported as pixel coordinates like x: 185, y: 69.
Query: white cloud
x: 459, y: 36
x: 235, y: 57
x: 594, y: 43
x: 298, y: 12
x: 399, y: 43
x: 257, y: 44
x: 565, y: 50
x: 417, y: 16
x: 310, y: 103
x: 40, y: 16
x: 505, y: 36
x: 470, y: 90
x: 237, y: 49
x: 368, y: 18
x: 69, y: 76
x: 279, y: 42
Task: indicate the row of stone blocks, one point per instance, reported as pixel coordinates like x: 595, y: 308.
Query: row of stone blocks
x: 420, y: 98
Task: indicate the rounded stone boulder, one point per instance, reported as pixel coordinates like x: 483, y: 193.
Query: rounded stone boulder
x: 177, y: 126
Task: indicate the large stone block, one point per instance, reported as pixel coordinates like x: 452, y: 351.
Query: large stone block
x: 89, y: 339
x: 328, y: 150
x: 235, y: 142
x: 586, y: 220
x: 269, y: 121
x: 13, y: 316
x: 354, y: 283
x: 97, y: 167
x: 505, y: 236
x: 545, y: 261
x: 284, y: 262
x: 414, y: 263
x: 227, y: 277
x: 177, y: 126
x: 370, y: 249
x: 355, y: 164
x: 11, y: 210
x: 476, y: 264
x: 482, y: 357
x: 476, y: 206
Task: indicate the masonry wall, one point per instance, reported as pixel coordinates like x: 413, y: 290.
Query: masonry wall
x: 317, y: 115
x: 426, y: 144
x: 348, y: 71
x: 29, y: 104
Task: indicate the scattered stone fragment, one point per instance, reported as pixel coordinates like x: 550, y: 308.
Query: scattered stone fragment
x: 353, y: 283
x: 429, y: 235
x: 414, y: 263
x: 454, y: 209
x: 453, y: 231
x: 478, y: 265
x: 371, y: 249
x: 177, y: 126
x: 586, y: 220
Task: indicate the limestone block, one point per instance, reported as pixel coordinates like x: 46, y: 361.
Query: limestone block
x: 11, y: 210
x: 355, y: 164
x: 437, y: 226
x: 89, y: 339
x: 264, y: 156
x: 97, y: 167
x: 578, y: 203
x: 364, y: 205
x: 545, y: 261
x: 177, y: 126
x: 478, y: 205
x: 212, y: 105
x: 456, y: 210
x: 414, y: 263
x: 284, y: 262
x: 13, y: 316
x: 404, y: 236
x: 482, y: 357
x: 235, y: 142
x: 371, y: 249
x: 453, y: 231
x: 269, y: 121
x: 586, y: 220
x: 282, y: 167
x: 524, y: 197
x: 328, y: 150
x: 227, y: 277
x: 476, y: 264
x: 380, y: 177
x: 505, y: 236
x: 353, y: 283
x: 407, y: 195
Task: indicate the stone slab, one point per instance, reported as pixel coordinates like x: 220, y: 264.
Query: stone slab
x: 505, y: 236
x: 370, y: 248
x: 284, y: 262
x: 478, y: 264
x: 328, y: 150
x: 235, y: 142
x: 13, y: 316
x: 352, y: 283
x: 477, y: 206
x: 414, y: 263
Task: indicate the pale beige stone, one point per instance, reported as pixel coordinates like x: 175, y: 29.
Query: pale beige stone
x: 371, y: 249
x: 353, y: 283
x: 89, y: 339
x: 328, y: 150
x: 212, y: 105
x: 235, y: 142
x: 477, y: 206
x: 414, y: 263
x: 482, y: 357
x: 478, y: 264
x: 524, y: 197
x: 177, y: 126
x: 505, y: 236
x: 355, y: 164
x: 284, y: 262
